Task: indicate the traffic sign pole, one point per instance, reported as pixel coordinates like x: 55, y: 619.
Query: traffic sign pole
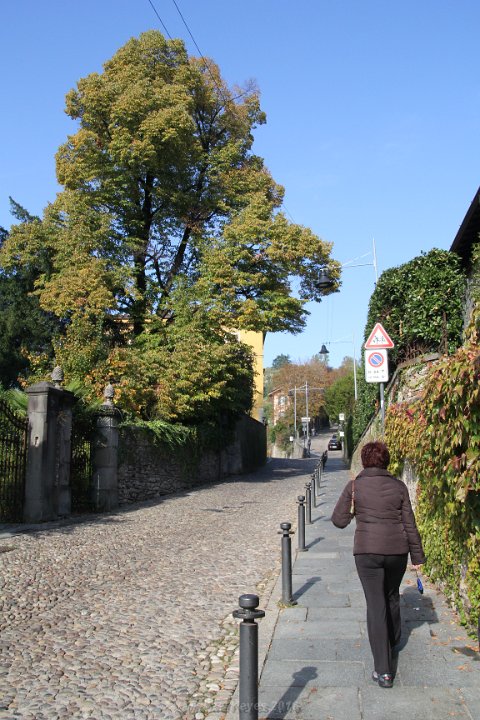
x: 376, y: 363
x: 382, y: 408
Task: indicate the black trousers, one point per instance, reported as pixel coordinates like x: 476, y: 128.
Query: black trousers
x: 381, y: 576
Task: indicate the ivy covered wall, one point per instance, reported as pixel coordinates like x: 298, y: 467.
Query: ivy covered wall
x: 432, y: 423
x: 439, y: 436
x: 421, y: 305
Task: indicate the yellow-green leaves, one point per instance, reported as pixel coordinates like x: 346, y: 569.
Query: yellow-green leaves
x: 166, y: 212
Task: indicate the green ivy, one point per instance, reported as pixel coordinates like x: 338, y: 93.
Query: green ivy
x: 440, y: 436
x: 280, y: 433
x: 421, y: 305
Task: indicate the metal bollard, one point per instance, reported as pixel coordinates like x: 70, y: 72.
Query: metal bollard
x: 286, y: 531
x: 308, y: 503
x: 314, y: 493
x: 301, y: 523
x: 248, y: 705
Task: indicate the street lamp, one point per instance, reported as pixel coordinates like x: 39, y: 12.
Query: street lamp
x: 324, y: 281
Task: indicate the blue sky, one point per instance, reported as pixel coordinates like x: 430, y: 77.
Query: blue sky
x: 372, y: 118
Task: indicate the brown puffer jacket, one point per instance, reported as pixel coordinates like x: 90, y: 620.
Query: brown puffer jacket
x: 385, y: 520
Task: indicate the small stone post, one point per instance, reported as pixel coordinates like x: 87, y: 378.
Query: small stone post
x: 308, y: 503
x: 105, y: 455
x: 285, y: 532
x: 248, y: 696
x: 301, y: 523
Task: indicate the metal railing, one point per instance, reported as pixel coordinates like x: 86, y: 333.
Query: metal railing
x: 13, y: 457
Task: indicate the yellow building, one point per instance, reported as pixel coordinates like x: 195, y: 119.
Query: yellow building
x: 255, y: 340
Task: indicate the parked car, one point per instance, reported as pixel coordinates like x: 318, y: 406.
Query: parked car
x: 334, y: 443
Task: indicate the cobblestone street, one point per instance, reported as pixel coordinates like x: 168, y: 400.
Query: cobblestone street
x: 121, y: 615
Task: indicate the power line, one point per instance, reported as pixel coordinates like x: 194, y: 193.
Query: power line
x: 205, y: 63
x: 161, y: 21
x: 289, y: 215
x: 190, y: 33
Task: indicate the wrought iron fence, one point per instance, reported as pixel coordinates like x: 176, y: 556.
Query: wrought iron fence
x: 13, y: 457
x: 81, y: 466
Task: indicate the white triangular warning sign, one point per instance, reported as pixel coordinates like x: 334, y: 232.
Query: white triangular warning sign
x: 378, y: 339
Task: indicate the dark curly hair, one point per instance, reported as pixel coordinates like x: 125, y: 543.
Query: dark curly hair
x: 375, y: 454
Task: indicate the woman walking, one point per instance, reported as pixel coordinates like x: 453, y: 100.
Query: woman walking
x: 386, y: 532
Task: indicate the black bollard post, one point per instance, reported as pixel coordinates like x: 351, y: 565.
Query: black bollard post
x: 314, y: 489
x: 308, y: 503
x: 248, y: 698
x: 301, y: 523
x: 286, y: 562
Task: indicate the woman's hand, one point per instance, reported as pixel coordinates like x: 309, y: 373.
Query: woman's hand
x: 416, y: 567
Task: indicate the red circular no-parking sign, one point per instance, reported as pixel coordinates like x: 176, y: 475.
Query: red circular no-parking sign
x: 376, y: 359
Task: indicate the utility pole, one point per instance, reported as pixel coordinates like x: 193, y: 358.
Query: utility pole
x: 295, y: 408
x: 306, y: 410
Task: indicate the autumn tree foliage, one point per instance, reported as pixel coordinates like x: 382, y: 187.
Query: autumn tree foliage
x: 294, y: 377
x: 164, y: 205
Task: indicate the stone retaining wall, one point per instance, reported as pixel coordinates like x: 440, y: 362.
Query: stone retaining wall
x: 148, y: 469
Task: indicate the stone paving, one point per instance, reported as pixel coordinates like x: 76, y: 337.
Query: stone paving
x: 128, y: 615
x: 316, y: 662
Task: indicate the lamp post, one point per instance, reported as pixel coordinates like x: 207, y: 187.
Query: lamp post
x: 348, y: 264
x: 325, y: 282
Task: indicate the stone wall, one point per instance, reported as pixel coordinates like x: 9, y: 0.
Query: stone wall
x: 148, y: 469
x: 405, y: 386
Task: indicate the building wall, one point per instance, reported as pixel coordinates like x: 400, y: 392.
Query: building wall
x: 280, y: 404
x: 255, y: 340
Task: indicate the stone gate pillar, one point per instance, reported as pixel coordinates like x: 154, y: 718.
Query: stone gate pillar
x: 105, y: 455
x: 47, y: 479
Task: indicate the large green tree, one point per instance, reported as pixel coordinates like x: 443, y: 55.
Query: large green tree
x: 163, y: 195
x: 25, y: 328
x: 340, y: 395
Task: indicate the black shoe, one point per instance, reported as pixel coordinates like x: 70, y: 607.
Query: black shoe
x: 385, y: 681
x: 375, y: 676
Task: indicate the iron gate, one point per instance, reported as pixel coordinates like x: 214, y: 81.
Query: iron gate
x: 81, y: 475
x: 13, y: 460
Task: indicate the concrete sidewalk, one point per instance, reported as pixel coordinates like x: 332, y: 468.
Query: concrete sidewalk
x: 316, y: 662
